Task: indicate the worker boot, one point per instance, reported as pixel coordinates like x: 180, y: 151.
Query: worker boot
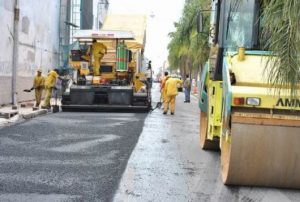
x: 46, y: 107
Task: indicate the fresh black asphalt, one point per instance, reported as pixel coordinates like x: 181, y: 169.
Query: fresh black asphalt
x: 67, y: 156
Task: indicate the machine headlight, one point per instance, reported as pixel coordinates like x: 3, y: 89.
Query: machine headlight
x: 253, y: 101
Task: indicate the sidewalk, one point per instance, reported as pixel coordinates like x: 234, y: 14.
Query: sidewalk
x: 166, y: 164
x: 24, y: 110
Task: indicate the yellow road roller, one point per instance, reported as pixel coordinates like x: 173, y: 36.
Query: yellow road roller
x: 256, y: 128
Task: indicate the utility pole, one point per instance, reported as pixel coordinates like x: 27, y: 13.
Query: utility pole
x: 15, y: 52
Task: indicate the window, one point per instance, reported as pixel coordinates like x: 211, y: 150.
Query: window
x: 239, y: 21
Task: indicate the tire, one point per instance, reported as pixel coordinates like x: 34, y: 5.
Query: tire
x: 204, y: 142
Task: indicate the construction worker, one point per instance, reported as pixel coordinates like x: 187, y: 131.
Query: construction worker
x: 98, y: 51
x: 187, y: 89
x: 170, y: 94
x: 162, y: 87
x: 138, y: 84
x: 149, y: 74
x: 38, y: 86
x: 49, y: 86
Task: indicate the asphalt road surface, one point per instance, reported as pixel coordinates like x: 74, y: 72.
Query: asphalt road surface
x: 118, y: 157
x: 67, y: 156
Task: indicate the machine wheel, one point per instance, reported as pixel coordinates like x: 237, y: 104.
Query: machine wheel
x: 261, y: 153
x: 204, y: 142
x: 225, y: 159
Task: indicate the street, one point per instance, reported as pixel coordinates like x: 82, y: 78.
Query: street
x: 67, y: 156
x: 117, y: 157
x: 81, y: 89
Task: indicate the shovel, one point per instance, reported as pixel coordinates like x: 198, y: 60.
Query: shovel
x: 158, y: 104
x: 28, y: 90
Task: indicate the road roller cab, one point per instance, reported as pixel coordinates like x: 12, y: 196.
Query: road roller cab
x: 256, y: 128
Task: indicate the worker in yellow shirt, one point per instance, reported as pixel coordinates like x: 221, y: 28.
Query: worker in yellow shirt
x: 38, y: 86
x: 162, y: 86
x: 98, y: 51
x: 49, y: 86
x: 171, y: 92
x: 138, y: 85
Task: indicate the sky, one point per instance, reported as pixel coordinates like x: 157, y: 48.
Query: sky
x: 161, y: 15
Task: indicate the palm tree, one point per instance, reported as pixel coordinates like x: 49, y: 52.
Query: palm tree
x: 282, y: 19
x: 188, y: 50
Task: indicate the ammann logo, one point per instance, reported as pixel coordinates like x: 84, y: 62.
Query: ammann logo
x: 285, y: 102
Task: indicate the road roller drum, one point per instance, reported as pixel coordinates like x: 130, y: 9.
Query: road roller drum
x: 262, y: 152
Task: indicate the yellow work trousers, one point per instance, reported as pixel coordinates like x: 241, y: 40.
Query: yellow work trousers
x: 48, y: 97
x: 38, y: 96
x: 97, y: 62
x: 163, y: 95
x: 169, y: 102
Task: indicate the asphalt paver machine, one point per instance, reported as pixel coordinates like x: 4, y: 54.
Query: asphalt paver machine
x: 107, y: 73
x: 256, y: 128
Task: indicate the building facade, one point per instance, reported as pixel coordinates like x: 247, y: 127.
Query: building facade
x: 64, y: 27
x: 38, y: 45
x: 101, y: 12
x: 45, y: 28
x: 87, y: 14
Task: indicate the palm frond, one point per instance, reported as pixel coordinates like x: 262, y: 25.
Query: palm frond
x: 187, y: 48
x: 282, y: 28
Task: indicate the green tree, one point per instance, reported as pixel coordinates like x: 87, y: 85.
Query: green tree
x: 282, y: 26
x: 188, y: 50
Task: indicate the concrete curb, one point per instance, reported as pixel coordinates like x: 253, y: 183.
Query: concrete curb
x: 34, y: 114
x: 8, y: 122
x: 21, y: 117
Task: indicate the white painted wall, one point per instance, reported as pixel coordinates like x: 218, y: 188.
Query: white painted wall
x: 38, y: 43
x: 6, y: 46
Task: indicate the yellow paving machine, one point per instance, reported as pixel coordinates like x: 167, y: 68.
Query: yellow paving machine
x: 256, y: 128
x: 109, y: 72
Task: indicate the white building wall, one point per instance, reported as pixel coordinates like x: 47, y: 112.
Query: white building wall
x: 38, y: 44
x: 6, y: 49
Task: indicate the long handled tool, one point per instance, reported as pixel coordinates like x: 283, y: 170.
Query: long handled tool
x: 28, y: 90
x: 158, y: 104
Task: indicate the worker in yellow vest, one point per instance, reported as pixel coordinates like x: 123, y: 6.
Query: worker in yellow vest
x: 138, y: 85
x: 171, y: 92
x: 98, y: 51
x: 38, y: 86
x: 162, y: 86
x: 49, y: 86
